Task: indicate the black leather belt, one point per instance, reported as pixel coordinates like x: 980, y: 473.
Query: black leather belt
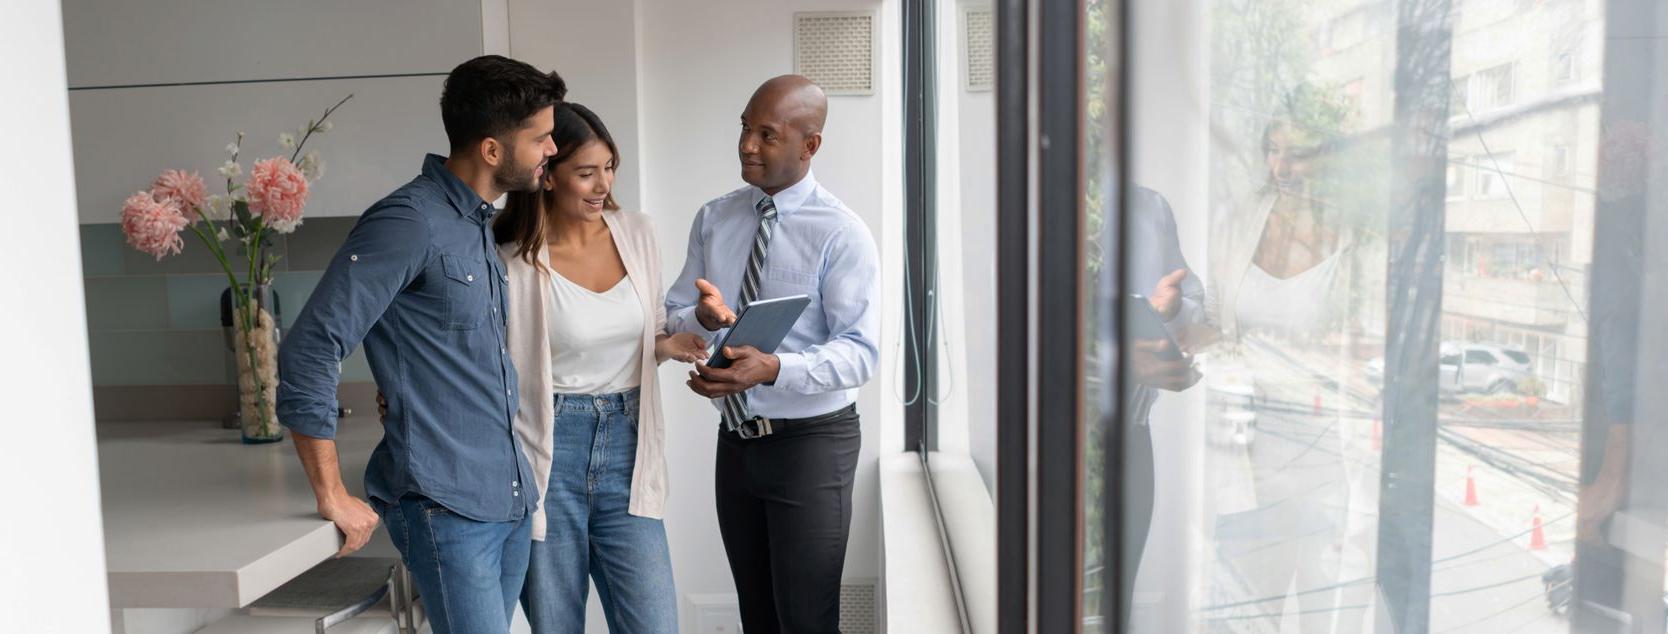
x: 759, y: 426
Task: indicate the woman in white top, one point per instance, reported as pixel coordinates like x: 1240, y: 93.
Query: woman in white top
x: 1284, y: 297
x: 586, y: 332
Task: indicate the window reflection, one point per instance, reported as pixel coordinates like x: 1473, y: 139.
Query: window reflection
x: 1549, y: 272
x: 1293, y: 276
x: 1100, y: 206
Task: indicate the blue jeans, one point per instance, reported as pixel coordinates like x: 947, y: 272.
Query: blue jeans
x: 468, y: 572
x: 589, y: 532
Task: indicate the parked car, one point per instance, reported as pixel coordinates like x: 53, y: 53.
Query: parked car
x: 1472, y: 367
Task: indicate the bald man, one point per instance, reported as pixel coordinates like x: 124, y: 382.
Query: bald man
x: 788, y: 435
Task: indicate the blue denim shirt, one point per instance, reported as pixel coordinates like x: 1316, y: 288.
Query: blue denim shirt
x: 419, y: 282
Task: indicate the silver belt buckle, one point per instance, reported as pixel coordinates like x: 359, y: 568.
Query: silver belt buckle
x: 755, y: 427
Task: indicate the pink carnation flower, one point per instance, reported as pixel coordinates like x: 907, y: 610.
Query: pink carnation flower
x: 277, y: 192
x: 153, y: 226
x: 185, y: 188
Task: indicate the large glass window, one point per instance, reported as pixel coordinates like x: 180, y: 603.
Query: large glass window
x: 1409, y: 255
x: 950, y: 284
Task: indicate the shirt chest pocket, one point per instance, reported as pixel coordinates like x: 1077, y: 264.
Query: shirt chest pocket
x: 468, y: 297
x: 791, y: 281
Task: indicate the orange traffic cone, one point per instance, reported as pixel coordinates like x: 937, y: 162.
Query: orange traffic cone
x: 1537, y: 536
x: 1378, y: 435
x: 1471, y: 489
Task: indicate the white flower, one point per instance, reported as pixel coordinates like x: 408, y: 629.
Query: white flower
x: 231, y: 169
x: 326, y: 126
x: 231, y: 148
x: 217, y: 207
x: 287, y: 140
x: 222, y: 236
x: 311, y: 166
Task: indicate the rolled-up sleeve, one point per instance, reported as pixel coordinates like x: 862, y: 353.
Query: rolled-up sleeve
x: 850, y: 285
x: 383, y: 254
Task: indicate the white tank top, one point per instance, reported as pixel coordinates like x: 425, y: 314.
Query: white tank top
x: 1294, y: 306
x: 596, y: 339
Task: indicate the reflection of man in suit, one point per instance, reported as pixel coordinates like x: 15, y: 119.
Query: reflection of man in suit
x: 1615, y: 427
x: 1156, y: 268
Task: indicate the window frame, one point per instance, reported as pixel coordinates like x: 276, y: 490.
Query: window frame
x: 1013, y: 290
x: 1039, y: 263
x: 920, y: 126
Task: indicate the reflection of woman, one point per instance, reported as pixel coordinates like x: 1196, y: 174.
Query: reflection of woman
x: 586, y: 332
x: 1283, y: 246
x: 1280, y: 297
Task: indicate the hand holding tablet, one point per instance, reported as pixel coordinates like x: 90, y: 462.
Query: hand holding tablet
x: 762, y: 324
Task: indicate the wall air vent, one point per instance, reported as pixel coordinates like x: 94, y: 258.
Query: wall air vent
x: 978, y: 48
x: 837, y: 50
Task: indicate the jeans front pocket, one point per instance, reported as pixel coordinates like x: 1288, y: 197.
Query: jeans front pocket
x: 432, y: 508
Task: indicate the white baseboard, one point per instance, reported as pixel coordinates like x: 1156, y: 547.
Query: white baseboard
x: 711, y: 614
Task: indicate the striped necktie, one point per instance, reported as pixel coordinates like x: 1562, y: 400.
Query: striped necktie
x: 735, y: 405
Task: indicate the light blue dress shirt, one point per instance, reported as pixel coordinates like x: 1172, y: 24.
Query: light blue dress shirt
x: 817, y: 248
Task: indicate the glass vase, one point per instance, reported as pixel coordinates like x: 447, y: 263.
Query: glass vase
x: 256, y: 346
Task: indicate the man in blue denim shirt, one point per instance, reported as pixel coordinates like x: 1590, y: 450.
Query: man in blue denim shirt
x: 419, y: 281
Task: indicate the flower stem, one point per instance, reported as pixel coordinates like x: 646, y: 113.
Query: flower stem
x: 243, y: 302
x: 251, y: 320
x: 229, y: 188
x: 315, y: 127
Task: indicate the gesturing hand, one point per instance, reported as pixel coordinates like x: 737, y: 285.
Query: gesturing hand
x: 748, y: 367
x: 687, y: 347
x: 1166, y: 296
x: 710, y: 309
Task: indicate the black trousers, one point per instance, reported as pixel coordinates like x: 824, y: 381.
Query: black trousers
x: 784, y: 511
x: 1138, y: 504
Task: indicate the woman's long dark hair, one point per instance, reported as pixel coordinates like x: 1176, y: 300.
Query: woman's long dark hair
x: 526, y: 214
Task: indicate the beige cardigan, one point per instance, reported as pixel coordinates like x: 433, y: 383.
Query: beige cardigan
x: 529, y: 345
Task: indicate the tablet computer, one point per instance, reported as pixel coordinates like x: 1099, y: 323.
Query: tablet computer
x: 1146, y: 324
x: 762, y: 324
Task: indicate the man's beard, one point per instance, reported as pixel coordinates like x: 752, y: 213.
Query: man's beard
x: 510, y: 177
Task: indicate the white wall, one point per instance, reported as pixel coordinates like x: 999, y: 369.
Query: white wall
x: 52, y: 535
x: 127, y: 135
x: 594, y: 46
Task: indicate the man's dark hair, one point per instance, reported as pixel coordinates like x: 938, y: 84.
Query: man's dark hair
x: 491, y: 95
